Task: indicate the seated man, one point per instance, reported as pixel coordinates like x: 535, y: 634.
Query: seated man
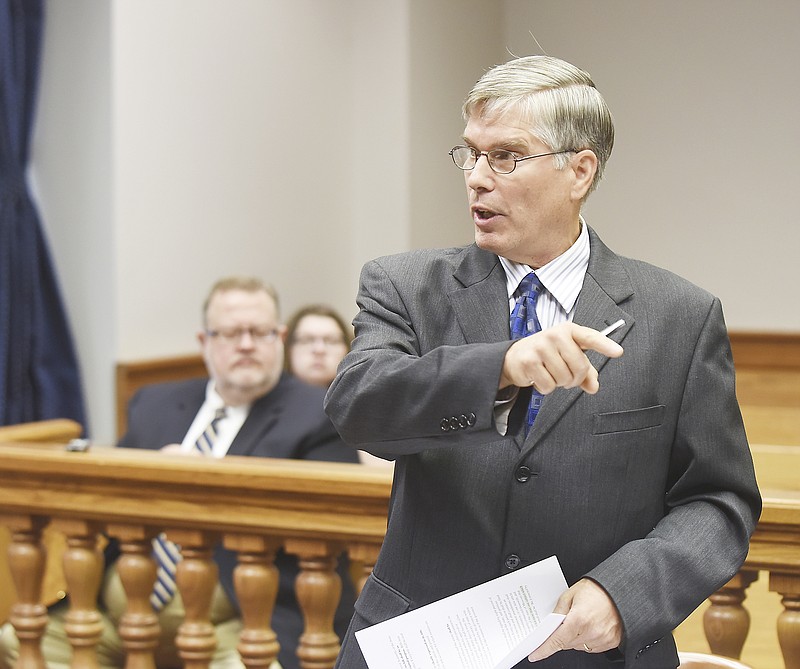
x: 255, y: 409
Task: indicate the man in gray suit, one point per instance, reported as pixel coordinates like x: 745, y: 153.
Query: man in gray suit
x: 642, y: 485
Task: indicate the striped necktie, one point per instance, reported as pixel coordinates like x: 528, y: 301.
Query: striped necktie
x: 524, y: 322
x: 166, y: 553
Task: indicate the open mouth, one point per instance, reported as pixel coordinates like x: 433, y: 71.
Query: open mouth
x: 481, y: 214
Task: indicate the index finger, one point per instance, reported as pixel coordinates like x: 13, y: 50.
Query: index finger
x: 596, y: 340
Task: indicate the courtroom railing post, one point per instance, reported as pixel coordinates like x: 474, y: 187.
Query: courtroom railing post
x: 365, y: 556
x: 318, y: 589
x: 788, y: 586
x: 138, y: 628
x: 197, y: 577
x: 726, y: 621
x: 256, y: 581
x: 26, y: 560
x: 83, y: 566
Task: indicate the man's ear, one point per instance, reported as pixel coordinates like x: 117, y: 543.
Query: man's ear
x: 584, y: 167
x: 202, y: 337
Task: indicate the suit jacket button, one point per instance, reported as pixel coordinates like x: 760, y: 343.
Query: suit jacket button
x: 512, y: 561
x: 445, y: 425
x: 454, y: 423
x: 471, y: 419
x: 462, y: 421
x: 522, y: 474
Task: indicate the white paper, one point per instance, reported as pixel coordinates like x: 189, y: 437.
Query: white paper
x: 491, y: 626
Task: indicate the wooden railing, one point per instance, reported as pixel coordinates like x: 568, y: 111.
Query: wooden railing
x: 253, y: 505
x: 774, y: 551
x: 313, y: 510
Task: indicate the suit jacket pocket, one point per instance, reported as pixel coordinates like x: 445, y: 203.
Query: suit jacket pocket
x: 379, y: 601
x: 628, y: 421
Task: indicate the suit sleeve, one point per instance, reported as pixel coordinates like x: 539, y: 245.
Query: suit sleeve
x: 393, y: 396
x: 712, y: 504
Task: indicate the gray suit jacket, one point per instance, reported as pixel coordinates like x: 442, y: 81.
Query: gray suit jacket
x: 646, y: 487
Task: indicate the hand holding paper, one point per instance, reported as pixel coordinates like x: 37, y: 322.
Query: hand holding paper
x: 495, y: 624
x: 591, y: 624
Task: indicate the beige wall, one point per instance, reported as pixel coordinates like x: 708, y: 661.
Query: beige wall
x: 706, y: 101
x: 181, y: 140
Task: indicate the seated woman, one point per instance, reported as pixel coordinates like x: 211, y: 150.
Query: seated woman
x: 317, y: 339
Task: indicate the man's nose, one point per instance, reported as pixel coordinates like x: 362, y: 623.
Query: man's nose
x: 480, y: 177
x: 246, y: 340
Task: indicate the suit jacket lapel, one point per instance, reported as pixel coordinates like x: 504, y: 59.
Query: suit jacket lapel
x: 605, y: 287
x: 176, y: 422
x: 481, y: 303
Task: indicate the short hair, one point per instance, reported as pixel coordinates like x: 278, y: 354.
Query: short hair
x: 248, y: 284
x: 314, y: 310
x: 561, y: 102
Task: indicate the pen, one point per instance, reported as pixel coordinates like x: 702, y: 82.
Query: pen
x: 614, y: 326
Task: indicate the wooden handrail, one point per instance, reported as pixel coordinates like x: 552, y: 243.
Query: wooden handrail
x: 56, y: 430
x: 299, y: 498
x: 313, y: 510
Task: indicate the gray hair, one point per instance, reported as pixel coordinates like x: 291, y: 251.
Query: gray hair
x: 559, y: 100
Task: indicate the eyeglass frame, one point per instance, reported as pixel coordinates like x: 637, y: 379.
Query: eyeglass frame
x: 477, y: 154
x: 235, y: 335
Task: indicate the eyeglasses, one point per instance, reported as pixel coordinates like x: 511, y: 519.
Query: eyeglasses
x: 501, y: 161
x: 311, y: 340
x: 235, y: 335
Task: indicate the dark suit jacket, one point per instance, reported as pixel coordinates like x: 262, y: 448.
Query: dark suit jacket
x: 646, y: 487
x: 288, y: 422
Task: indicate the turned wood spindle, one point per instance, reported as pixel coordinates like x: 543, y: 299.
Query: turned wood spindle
x: 726, y: 621
x: 83, y: 566
x: 196, y: 577
x: 788, y: 586
x: 318, y: 589
x: 364, y: 557
x: 256, y: 581
x: 138, y: 628
x: 26, y: 561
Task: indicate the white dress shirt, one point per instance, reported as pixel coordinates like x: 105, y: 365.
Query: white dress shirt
x: 562, y: 279
x: 227, y: 428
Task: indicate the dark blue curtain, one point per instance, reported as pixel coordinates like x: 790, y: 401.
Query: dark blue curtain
x: 39, y: 376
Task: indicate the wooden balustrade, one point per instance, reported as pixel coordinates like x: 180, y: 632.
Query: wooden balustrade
x: 254, y: 506
x: 774, y: 549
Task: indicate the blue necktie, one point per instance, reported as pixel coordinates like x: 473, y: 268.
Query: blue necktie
x: 524, y: 322
x: 166, y: 553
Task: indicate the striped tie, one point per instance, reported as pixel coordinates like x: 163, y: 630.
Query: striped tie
x: 524, y: 322
x: 166, y: 553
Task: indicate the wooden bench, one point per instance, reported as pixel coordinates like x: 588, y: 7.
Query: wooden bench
x: 133, y: 375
